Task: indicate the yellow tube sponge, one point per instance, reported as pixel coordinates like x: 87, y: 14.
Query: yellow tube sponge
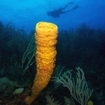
x: 46, y: 39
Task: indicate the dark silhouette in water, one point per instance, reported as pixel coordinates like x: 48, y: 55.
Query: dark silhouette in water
x: 56, y: 13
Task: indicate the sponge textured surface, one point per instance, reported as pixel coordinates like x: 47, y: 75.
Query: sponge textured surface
x: 46, y: 39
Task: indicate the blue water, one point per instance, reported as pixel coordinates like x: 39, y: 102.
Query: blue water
x: 80, y: 43
x: 26, y: 13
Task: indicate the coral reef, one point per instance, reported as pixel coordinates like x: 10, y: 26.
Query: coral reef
x: 83, y: 47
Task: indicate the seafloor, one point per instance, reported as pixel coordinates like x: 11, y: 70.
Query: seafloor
x: 83, y: 47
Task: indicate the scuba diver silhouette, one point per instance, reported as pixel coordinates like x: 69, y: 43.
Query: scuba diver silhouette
x: 56, y: 13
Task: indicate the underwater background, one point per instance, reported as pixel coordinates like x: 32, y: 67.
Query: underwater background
x: 79, y: 73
